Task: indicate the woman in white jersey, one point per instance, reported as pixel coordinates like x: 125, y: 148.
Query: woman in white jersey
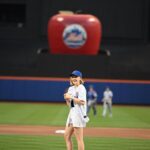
x: 76, y: 121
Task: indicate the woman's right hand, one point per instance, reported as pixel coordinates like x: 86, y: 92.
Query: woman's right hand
x: 67, y: 96
x: 67, y: 100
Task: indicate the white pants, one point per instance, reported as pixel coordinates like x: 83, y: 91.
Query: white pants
x: 92, y: 104
x: 107, y: 103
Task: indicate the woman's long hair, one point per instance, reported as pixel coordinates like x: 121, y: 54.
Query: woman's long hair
x: 81, y: 81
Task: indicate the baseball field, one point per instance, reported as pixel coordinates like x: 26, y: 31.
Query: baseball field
x: 33, y: 126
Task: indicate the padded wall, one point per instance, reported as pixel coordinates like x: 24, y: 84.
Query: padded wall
x: 52, y: 89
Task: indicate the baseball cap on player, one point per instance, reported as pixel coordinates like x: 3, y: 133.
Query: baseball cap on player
x: 76, y: 73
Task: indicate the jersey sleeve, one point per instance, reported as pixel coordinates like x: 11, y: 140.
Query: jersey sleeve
x: 104, y: 94
x: 82, y: 96
x: 95, y: 94
x: 82, y: 93
x: 70, y: 90
x: 111, y: 94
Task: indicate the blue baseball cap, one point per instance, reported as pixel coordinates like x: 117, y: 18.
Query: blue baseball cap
x: 76, y: 73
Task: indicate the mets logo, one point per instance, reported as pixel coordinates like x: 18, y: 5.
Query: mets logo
x: 74, y: 36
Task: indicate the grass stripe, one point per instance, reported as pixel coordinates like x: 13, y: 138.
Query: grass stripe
x: 20, y: 142
x: 56, y: 114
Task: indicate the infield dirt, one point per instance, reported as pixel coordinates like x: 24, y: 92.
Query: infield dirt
x: 90, y: 132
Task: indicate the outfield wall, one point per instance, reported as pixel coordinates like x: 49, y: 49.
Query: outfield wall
x: 52, y: 89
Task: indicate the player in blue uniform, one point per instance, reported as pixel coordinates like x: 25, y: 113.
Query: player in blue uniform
x: 92, y: 100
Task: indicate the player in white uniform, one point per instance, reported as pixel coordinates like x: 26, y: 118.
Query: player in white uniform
x: 107, y: 101
x: 77, y: 118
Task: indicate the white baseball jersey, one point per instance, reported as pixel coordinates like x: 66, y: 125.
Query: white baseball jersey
x: 77, y: 112
x: 108, y: 94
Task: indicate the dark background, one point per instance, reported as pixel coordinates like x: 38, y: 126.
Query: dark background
x: 126, y: 33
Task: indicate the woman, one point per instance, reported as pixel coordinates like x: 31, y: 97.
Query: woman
x: 77, y: 119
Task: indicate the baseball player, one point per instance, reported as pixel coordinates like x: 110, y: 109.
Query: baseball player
x: 92, y: 100
x: 77, y: 118
x: 107, y: 101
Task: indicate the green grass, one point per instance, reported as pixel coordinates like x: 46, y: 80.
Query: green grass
x: 123, y: 116
x: 56, y: 114
x: 32, y: 114
x: 20, y: 142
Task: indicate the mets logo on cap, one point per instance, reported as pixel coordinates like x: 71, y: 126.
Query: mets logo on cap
x: 74, y: 36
